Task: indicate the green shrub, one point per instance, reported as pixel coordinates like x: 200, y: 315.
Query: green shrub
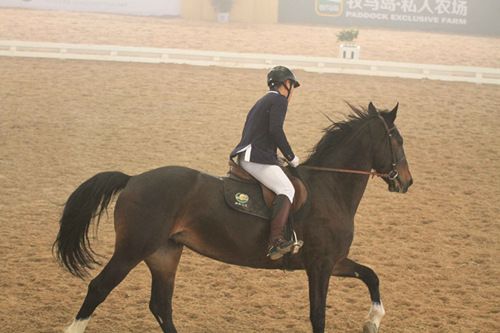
x: 347, y: 35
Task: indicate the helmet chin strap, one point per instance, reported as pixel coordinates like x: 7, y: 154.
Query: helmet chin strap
x: 288, y: 89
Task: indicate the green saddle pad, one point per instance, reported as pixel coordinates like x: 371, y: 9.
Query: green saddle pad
x: 246, y: 197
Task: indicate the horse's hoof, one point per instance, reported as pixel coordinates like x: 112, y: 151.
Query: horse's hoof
x: 370, y: 327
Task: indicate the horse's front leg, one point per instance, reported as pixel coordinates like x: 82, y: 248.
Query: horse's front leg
x: 349, y: 268
x: 319, y: 278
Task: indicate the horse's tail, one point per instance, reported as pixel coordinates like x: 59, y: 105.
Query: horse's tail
x: 89, y: 200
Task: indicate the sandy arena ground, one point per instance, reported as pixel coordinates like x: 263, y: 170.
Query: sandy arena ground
x: 61, y: 122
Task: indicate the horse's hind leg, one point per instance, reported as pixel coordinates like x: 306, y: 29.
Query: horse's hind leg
x: 349, y: 268
x: 99, y: 288
x: 163, y: 266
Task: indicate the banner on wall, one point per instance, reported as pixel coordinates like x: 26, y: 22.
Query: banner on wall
x: 460, y: 16
x: 129, y: 7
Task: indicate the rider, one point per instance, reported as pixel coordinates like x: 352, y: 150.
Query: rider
x: 257, y: 152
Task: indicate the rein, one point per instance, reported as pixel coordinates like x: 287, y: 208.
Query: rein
x: 370, y: 173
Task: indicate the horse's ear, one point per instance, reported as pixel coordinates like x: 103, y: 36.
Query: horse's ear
x: 393, y: 113
x: 371, y: 108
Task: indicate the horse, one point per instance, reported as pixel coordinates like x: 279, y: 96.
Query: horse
x: 159, y: 212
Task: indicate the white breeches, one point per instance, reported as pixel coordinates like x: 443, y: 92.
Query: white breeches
x: 272, y: 176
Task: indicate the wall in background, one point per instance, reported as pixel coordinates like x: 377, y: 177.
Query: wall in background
x: 128, y: 7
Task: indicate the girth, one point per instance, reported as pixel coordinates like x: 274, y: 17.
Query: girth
x: 300, y: 198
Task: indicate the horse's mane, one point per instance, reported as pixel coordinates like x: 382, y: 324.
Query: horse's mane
x: 337, y: 132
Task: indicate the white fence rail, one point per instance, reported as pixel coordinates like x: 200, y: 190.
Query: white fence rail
x: 248, y: 60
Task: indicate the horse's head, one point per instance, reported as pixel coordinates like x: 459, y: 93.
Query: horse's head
x: 388, y: 153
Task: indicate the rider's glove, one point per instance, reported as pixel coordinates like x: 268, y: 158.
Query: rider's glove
x: 294, y: 162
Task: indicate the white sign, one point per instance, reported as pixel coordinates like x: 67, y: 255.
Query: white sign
x: 421, y: 11
x: 130, y: 7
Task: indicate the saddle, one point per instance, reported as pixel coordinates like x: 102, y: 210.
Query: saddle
x: 238, y: 173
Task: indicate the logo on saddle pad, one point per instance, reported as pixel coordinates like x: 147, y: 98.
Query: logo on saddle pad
x: 241, y: 198
x: 238, y: 194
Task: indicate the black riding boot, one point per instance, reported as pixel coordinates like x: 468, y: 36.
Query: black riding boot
x: 278, y: 246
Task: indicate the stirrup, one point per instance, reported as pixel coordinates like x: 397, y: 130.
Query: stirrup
x: 297, y: 244
x: 276, y: 251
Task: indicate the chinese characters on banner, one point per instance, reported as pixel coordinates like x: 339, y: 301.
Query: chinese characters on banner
x: 452, y: 7
x: 444, y: 12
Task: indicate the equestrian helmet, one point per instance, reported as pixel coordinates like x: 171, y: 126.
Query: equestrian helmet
x: 279, y: 74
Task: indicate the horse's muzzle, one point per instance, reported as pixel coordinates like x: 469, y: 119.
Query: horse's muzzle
x: 402, y: 182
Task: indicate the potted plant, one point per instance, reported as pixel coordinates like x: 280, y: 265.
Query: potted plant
x: 347, y: 35
x: 222, y: 8
x: 348, y: 50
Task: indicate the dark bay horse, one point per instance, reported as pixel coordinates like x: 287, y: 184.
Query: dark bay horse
x: 160, y: 211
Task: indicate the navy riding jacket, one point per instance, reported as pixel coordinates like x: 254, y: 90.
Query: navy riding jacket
x: 263, y: 131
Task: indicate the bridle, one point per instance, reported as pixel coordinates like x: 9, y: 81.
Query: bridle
x: 392, y: 175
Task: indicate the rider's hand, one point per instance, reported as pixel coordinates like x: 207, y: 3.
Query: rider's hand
x: 281, y: 161
x: 294, y: 162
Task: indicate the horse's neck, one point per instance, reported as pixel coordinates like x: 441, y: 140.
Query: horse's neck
x: 347, y: 187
